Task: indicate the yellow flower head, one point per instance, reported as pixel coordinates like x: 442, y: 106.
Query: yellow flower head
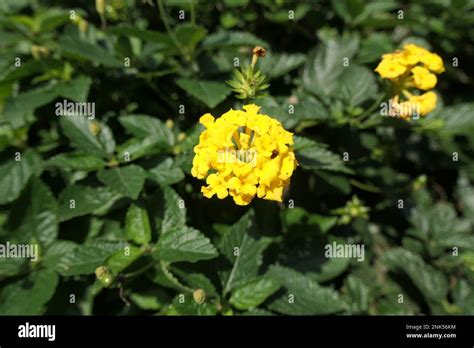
x: 423, y: 79
x: 243, y: 154
x: 419, y: 105
x: 411, y: 67
x: 392, y: 65
x: 426, y: 102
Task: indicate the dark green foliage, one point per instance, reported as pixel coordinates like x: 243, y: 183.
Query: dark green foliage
x: 109, y: 199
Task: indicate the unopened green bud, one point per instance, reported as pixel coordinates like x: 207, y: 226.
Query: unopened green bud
x: 105, y: 276
x: 100, y: 6
x: 199, y: 296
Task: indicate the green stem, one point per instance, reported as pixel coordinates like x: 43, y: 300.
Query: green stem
x: 171, y: 33
x: 103, y: 22
x: 158, y: 73
x: 193, y: 14
x: 364, y: 187
x: 372, y: 107
x: 139, y: 271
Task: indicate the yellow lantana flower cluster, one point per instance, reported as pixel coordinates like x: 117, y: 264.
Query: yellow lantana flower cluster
x: 244, y: 154
x: 412, y: 67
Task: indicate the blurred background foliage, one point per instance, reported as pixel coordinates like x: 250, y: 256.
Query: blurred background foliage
x: 402, y: 189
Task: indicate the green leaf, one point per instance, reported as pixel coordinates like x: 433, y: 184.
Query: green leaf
x: 189, y: 35
x: 106, y: 139
x: 303, y: 296
x: 19, y: 110
x: 15, y: 175
x: 429, y: 281
x: 162, y: 40
x: 236, y: 3
x: 465, y: 193
x: 457, y: 119
x: 253, y: 293
x: 78, y: 200
x: 438, y: 226
x: 121, y: 259
x: 243, y: 251
x: 51, y: 19
x: 309, y: 257
x: 75, y: 162
x: 358, y: 295
x: 373, y: 47
x: 87, y: 51
x: 324, y: 66
x: 330, y: 269
x: 305, y: 108
x: 29, y: 295
x: 56, y: 251
x: 163, y: 276
x: 258, y: 312
x: 298, y: 217
x: 87, y: 257
x: 11, y: 266
x: 166, y: 172
x: 127, y: 180
x: 210, y: 93
x: 184, y: 244
x: 76, y: 89
x: 348, y: 10
x: 137, y: 148
x: 356, y: 85
x: 196, y: 281
x: 174, y: 212
x: 143, y: 126
x: 282, y: 15
x: 314, y: 156
x: 35, y: 214
x: 78, y: 131
x: 278, y: 64
x: 150, y: 301
x: 28, y: 68
x: 137, y: 224
x: 232, y: 38
x: 189, y: 307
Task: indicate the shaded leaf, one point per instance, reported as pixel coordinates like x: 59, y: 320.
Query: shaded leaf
x: 28, y: 295
x: 210, y: 93
x: 426, y: 278
x: 35, y: 214
x: 184, y: 244
x: 278, y: 64
x: 315, y: 156
x: 127, y: 180
x: 303, y: 296
x: 253, y: 293
x: 85, y: 258
x: 78, y: 200
x: 79, y: 131
x: 15, y: 175
x: 137, y: 224
x: 232, y: 38
x: 143, y: 126
x: 324, y: 66
x: 243, y: 251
